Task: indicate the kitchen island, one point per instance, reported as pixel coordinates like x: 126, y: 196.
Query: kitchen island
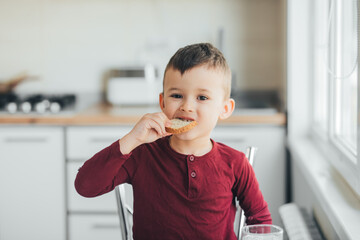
x: 52, y: 147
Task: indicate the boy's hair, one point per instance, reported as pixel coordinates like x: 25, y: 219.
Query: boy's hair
x: 198, y: 54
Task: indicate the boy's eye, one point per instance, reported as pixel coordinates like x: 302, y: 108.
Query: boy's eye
x: 202, y: 98
x: 175, y: 96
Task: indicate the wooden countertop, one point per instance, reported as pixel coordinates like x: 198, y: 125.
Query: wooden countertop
x: 103, y: 114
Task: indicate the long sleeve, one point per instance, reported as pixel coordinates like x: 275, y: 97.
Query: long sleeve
x: 103, y: 172
x: 250, y: 197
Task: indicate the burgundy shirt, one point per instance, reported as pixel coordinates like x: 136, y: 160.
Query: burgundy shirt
x: 178, y: 196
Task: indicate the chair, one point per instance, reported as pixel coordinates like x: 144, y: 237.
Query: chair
x: 240, y: 216
x: 125, y: 212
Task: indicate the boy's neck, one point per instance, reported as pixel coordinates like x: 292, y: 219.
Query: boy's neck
x: 196, y: 147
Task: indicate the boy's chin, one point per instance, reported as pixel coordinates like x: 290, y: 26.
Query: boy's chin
x: 186, y: 136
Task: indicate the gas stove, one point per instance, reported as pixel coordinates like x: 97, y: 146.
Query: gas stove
x: 36, y: 103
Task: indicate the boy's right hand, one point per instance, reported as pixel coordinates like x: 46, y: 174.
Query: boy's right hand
x: 148, y: 129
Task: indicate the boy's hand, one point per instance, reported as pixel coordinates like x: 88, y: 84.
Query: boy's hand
x: 148, y: 129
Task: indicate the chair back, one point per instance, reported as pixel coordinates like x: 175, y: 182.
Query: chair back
x: 123, y: 212
x: 250, y: 154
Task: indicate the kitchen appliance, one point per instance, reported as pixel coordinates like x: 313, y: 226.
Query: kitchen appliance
x: 134, y: 85
x: 36, y: 103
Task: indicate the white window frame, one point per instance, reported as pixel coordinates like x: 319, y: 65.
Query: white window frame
x: 344, y: 159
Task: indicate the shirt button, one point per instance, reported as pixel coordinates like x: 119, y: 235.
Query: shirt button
x: 193, y: 174
x: 191, y: 158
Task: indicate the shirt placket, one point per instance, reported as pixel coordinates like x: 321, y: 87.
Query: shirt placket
x: 192, y: 176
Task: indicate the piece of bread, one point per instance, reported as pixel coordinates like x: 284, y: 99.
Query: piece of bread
x: 180, y: 126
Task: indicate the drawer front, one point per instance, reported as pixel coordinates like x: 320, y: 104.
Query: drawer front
x: 76, y: 202
x: 94, y: 227
x: 83, y: 142
x: 103, y: 203
x: 235, y: 137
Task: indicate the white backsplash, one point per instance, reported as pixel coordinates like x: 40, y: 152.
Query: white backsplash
x: 70, y: 44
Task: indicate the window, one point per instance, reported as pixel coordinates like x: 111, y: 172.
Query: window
x: 335, y: 84
x: 345, y: 75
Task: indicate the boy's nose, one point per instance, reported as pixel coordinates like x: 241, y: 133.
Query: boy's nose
x: 186, y: 106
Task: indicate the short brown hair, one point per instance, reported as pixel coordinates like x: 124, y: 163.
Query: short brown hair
x: 198, y: 54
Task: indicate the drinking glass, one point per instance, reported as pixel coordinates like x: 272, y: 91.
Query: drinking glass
x: 262, y: 232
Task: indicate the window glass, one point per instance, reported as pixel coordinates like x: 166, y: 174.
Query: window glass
x: 345, y: 80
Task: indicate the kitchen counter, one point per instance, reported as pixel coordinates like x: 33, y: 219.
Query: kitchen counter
x: 104, y: 114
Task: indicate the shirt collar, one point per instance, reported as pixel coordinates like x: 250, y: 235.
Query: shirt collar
x: 166, y: 143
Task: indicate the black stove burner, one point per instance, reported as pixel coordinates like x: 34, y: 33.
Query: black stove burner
x: 6, y: 98
x: 36, y: 103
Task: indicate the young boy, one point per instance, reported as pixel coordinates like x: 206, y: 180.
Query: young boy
x: 184, y: 184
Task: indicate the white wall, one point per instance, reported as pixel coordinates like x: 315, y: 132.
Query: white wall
x: 70, y: 43
x: 298, y: 68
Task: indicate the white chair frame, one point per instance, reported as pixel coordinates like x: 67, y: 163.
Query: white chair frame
x: 250, y: 154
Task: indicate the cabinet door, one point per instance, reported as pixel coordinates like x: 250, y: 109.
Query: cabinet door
x: 32, y: 202
x: 269, y: 164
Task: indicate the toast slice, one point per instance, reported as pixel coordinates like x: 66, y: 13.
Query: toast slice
x: 180, y: 126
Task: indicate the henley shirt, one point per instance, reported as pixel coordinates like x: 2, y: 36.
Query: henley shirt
x: 178, y: 196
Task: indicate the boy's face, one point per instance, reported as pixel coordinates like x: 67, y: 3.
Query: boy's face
x: 198, y: 95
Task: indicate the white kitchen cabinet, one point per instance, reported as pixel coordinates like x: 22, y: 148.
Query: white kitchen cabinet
x: 32, y: 183
x: 91, y: 218
x: 94, y: 227
x: 269, y: 164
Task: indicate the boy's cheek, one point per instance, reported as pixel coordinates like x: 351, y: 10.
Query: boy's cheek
x: 167, y: 113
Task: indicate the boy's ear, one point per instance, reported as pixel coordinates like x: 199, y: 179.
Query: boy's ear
x: 228, y: 109
x: 161, y: 101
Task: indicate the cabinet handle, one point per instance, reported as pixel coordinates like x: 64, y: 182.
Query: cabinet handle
x: 102, y: 140
x: 225, y: 139
x: 26, y: 140
x: 105, y: 226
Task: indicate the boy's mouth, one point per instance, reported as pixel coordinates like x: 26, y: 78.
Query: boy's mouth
x: 185, y: 119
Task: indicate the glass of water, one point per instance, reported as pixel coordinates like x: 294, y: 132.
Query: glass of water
x: 262, y: 232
